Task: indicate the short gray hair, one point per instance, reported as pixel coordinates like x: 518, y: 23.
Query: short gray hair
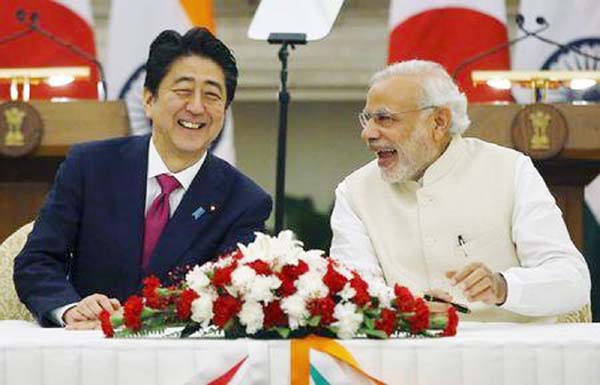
x: 437, y: 88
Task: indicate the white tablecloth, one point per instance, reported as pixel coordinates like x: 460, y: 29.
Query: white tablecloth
x: 480, y: 354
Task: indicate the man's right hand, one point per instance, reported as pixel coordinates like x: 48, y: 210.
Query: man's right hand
x: 439, y: 307
x: 84, y: 315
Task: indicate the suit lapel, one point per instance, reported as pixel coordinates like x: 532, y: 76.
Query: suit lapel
x: 132, y: 178
x: 200, y: 205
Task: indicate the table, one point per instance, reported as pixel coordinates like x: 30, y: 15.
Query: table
x: 493, y: 353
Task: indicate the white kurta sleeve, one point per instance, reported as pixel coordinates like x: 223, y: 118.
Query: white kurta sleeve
x: 351, y: 243
x: 553, y: 277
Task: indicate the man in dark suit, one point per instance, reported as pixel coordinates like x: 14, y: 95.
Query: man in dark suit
x: 126, y: 208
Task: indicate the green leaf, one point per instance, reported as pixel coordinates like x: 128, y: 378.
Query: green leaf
x: 376, y: 333
x: 283, y: 332
x: 314, y: 321
x: 438, y: 321
x: 189, y: 330
x: 369, y: 323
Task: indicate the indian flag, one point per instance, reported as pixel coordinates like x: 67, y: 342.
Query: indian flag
x: 71, y: 21
x: 133, y: 26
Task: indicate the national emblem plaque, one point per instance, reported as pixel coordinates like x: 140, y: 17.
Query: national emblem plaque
x: 540, y: 131
x: 21, y: 129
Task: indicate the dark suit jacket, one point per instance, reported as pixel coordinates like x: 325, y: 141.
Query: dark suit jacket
x: 88, y: 237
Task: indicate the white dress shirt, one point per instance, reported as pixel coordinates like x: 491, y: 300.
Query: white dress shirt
x: 550, y: 263
x: 156, y: 167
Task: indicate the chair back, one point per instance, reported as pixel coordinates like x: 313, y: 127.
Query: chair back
x: 10, y: 305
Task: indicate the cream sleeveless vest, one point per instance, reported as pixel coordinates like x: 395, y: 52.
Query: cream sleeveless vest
x: 468, y: 192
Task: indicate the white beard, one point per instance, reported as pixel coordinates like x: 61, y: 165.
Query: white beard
x: 413, y: 158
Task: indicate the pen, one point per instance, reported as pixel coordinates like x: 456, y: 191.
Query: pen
x: 459, y: 308
x: 461, y: 243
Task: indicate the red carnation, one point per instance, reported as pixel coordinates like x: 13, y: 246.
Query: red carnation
x: 274, y: 315
x: 322, y: 307
x: 260, y: 267
x: 287, y: 287
x: 420, y: 321
x: 132, y: 313
x: 224, y: 308
x: 450, y: 329
x: 362, y: 296
x: 107, y: 327
x: 222, y: 276
x: 184, y: 305
x: 294, y: 271
x: 153, y: 300
x: 386, y: 322
x: 334, y: 280
x: 288, y: 275
x: 236, y: 255
x: 405, y: 302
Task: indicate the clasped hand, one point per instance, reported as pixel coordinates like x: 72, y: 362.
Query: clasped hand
x: 84, y: 315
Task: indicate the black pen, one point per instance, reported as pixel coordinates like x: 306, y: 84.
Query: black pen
x: 459, y: 308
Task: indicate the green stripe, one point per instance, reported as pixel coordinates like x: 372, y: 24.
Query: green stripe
x: 317, y: 377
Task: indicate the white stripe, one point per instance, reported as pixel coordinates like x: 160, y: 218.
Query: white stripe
x: 400, y: 10
x: 132, y: 27
x: 335, y: 371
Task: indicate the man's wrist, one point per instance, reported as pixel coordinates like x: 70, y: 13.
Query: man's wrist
x: 58, y: 314
x: 501, y: 289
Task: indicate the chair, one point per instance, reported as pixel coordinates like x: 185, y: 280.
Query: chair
x: 10, y: 306
x: 582, y: 315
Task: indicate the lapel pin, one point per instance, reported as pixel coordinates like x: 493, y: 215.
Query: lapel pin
x: 198, y: 213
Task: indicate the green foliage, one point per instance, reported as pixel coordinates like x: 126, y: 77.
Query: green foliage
x: 309, y: 225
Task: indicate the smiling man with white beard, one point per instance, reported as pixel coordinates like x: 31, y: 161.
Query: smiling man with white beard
x: 458, y: 218
x: 126, y: 208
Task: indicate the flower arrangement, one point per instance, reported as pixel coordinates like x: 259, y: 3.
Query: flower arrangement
x: 273, y: 288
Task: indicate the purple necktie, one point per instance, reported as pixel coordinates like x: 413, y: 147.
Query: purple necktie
x: 158, y: 215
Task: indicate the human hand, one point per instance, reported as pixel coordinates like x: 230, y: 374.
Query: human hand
x: 84, y: 315
x: 479, y: 283
x: 438, y: 307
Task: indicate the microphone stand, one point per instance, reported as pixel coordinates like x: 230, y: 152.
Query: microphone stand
x: 499, y: 47
x: 286, y: 40
x: 565, y: 47
x: 33, y: 26
x: 568, y: 47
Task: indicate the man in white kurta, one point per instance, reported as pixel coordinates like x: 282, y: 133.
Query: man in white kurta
x: 467, y: 220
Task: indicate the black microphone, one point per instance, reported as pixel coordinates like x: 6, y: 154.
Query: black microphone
x: 33, y: 26
x: 540, y: 20
x: 520, y: 20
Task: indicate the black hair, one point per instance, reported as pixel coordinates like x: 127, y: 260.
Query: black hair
x: 171, y: 45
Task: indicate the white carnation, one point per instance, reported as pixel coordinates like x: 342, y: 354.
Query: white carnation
x: 295, y: 307
x: 223, y: 262
x: 242, y: 278
x: 348, y: 320
x: 252, y: 316
x: 197, y: 280
x: 342, y: 269
x: 378, y: 289
x: 310, y: 285
x: 315, y: 260
x: 262, y: 289
x: 202, y: 310
x: 347, y: 292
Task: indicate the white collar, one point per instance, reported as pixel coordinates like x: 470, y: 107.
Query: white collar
x: 157, y: 166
